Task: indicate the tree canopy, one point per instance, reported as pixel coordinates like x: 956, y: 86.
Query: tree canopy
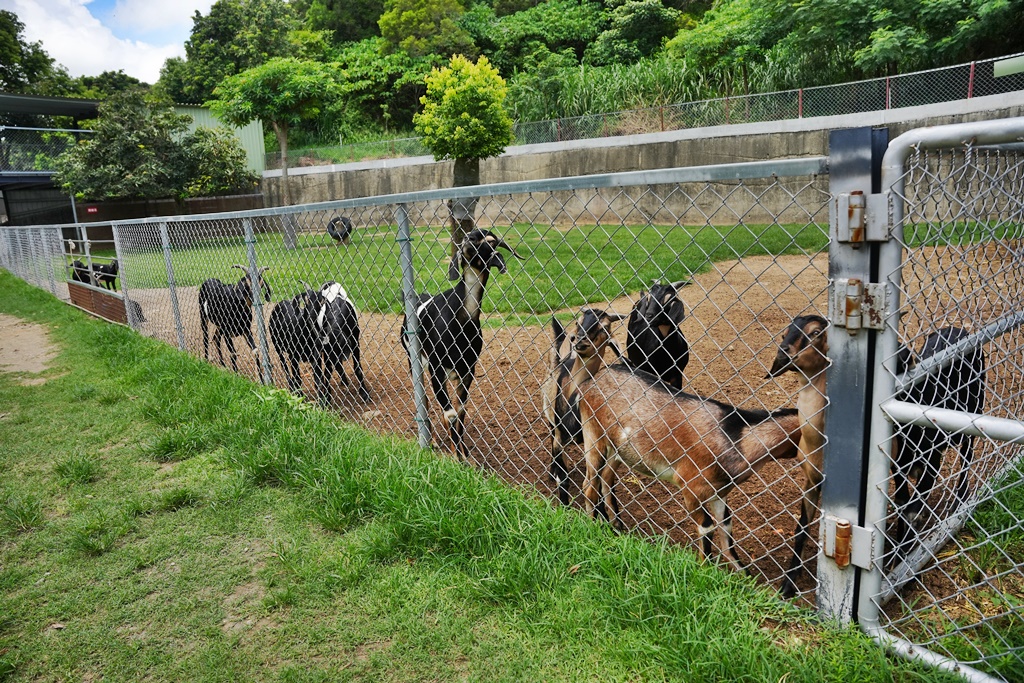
x: 143, y: 150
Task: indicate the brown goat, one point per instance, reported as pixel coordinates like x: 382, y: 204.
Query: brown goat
x: 804, y: 350
x: 560, y: 392
x: 703, y: 446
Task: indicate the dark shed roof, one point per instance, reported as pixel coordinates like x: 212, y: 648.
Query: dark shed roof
x: 52, y: 106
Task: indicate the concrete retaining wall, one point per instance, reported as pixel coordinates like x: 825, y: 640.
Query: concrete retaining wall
x: 694, y: 147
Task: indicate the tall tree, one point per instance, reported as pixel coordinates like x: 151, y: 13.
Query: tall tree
x: 106, y: 84
x: 348, y: 20
x: 423, y: 27
x: 26, y: 67
x: 236, y: 35
x: 464, y: 119
x: 282, y: 93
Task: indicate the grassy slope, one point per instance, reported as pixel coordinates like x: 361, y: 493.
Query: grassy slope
x: 225, y: 532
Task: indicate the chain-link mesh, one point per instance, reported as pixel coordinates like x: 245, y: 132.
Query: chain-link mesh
x: 955, y: 532
x: 35, y: 255
x: 322, y: 315
x: 34, y: 149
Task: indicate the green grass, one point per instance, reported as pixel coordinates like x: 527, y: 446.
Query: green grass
x: 288, y: 546
x: 561, y: 268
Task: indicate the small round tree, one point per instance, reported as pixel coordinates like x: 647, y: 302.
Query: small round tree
x: 464, y: 119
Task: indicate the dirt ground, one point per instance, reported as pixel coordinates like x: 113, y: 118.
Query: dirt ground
x: 24, y: 348
x: 735, y: 315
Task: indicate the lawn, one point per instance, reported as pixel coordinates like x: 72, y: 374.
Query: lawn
x: 560, y: 269
x: 165, y: 520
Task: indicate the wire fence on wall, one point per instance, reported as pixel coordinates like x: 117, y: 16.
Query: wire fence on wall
x: 946, y: 84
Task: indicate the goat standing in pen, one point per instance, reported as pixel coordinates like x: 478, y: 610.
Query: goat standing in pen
x: 703, y: 446
x: 654, y: 342
x: 106, y: 274
x: 229, y: 309
x: 804, y: 350
x: 449, y: 328
x: 293, y: 332
x: 340, y: 229
x: 957, y: 385
x: 337, y: 328
x: 560, y: 392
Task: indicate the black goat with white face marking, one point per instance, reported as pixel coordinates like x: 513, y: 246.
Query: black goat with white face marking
x: 654, y: 342
x: 229, y: 309
x: 449, y: 328
x: 106, y: 274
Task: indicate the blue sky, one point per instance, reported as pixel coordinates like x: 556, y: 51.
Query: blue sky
x: 89, y: 37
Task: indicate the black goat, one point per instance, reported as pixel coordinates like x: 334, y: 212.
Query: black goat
x: 134, y: 311
x: 560, y: 392
x: 337, y: 327
x: 229, y: 309
x: 340, y: 228
x: 80, y: 272
x: 958, y: 385
x: 449, y: 327
x: 106, y: 275
x: 293, y: 332
x: 654, y: 342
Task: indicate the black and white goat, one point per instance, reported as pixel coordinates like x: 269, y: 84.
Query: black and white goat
x: 340, y: 229
x: 958, y: 385
x: 337, y: 327
x: 804, y: 350
x: 229, y: 309
x: 560, y: 392
x: 449, y: 328
x: 654, y: 342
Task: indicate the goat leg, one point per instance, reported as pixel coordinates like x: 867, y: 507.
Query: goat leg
x: 357, y: 369
x: 808, y: 512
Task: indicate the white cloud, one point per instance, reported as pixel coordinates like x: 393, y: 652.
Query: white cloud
x: 86, y: 47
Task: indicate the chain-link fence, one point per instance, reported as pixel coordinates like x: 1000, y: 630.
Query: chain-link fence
x: 946, y: 84
x: 734, y: 260
x: 953, y: 496
x: 34, y: 149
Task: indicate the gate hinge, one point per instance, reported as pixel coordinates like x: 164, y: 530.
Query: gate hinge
x: 860, y: 217
x: 848, y: 543
x: 856, y: 304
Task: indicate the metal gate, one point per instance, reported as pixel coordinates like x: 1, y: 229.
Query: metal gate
x: 926, y: 265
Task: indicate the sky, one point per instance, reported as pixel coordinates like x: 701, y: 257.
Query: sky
x: 88, y: 37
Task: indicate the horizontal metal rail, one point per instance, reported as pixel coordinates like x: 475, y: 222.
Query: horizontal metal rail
x: 974, y: 424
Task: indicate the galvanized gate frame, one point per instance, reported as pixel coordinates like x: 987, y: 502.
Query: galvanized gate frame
x: 865, y: 262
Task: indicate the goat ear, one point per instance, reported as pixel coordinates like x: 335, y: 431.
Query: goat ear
x: 615, y: 317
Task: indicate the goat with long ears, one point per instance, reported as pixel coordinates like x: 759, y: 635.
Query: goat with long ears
x: 229, y: 309
x: 449, y: 328
x: 804, y: 350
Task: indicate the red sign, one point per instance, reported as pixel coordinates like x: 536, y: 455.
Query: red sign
x: 92, y: 209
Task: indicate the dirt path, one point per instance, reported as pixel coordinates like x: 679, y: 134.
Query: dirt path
x: 25, y: 348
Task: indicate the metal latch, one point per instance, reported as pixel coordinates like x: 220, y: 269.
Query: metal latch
x: 860, y: 217
x: 847, y: 543
x: 857, y: 305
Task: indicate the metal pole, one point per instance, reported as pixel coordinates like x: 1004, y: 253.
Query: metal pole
x: 51, y: 257
x: 129, y: 314
x: 257, y: 300
x: 413, y: 327
x: 88, y: 253
x: 165, y: 242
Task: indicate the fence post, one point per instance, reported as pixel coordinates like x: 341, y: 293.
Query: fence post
x: 129, y: 314
x: 413, y: 326
x: 51, y: 257
x: 165, y: 242
x: 257, y: 298
x: 855, y: 163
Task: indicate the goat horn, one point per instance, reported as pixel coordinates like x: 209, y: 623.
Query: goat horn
x: 502, y: 243
x: 264, y: 269
x: 305, y: 284
x: 240, y: 267
x: 681, y: 283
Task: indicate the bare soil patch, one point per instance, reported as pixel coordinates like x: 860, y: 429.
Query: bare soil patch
x: 25, y: 348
